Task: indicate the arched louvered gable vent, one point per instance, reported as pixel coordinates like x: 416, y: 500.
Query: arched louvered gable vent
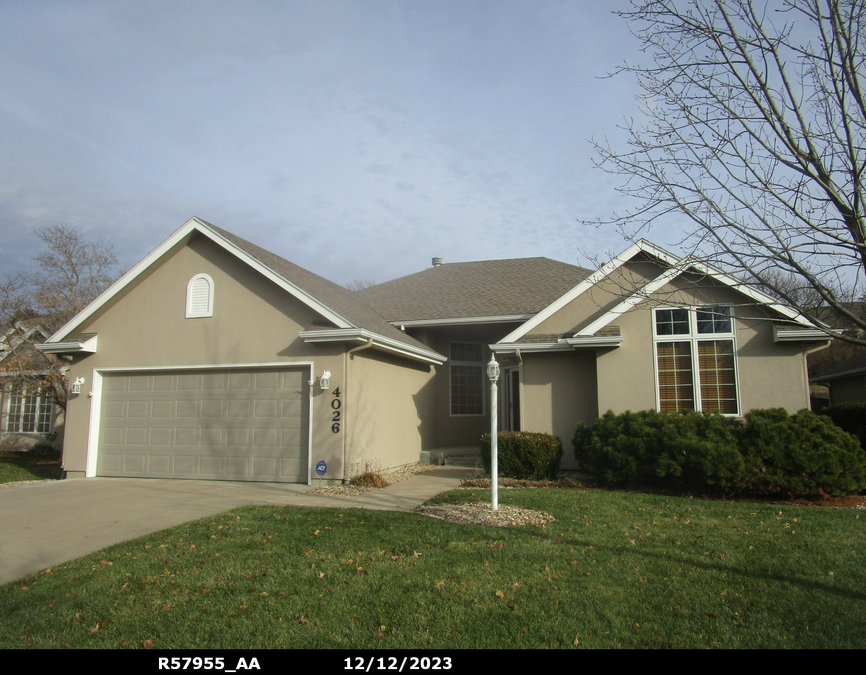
x: 199, y: 296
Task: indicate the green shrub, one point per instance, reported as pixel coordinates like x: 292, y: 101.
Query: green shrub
x: 770, y: 453
x: 44, y: 450
x: 800, y: 455
x: 849, y: 416
x: 524, y: 455
x: 666, y: 450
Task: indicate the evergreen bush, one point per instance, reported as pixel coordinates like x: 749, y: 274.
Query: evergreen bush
x: 524, y: 455
x: 849, y: 416
x: 769, y: 453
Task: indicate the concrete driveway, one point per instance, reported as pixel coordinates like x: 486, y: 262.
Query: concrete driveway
x: 44, y: 524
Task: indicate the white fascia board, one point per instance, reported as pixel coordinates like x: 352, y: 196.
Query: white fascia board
x: 157, y: 253
x: 379, y: 341
x: 282, y: 282
x: 611, y: 266
x: 87, y: 346
x: 799, y: 334
x: 525, y: 347
x: 752, y: 293
x: 505, y: 318
x: 637, y: 297
x: 595, y: 341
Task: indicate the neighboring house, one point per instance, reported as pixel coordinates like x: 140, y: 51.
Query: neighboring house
x: 216, y: 359
x: 847, y: 381
x: 27, y: 414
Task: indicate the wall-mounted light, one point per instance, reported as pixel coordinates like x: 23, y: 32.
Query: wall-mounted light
x: 76, y: 386
x: 325, y: 381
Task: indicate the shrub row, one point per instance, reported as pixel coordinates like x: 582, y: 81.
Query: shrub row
x: 849, y: 416
x: 524, y: 455
x: 770, y: 452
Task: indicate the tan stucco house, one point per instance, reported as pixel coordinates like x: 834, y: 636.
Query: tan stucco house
x: 216, y: 359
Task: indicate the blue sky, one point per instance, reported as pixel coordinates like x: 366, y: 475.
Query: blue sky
x: 357, y: 139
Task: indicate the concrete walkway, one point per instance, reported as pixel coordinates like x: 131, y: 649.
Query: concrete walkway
x: 44, y: 524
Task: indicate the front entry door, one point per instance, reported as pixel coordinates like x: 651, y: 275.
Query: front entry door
x: 511, y: 400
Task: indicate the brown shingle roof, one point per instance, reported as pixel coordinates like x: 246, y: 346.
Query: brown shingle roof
x: 488, y: 288
x: 341, y: 300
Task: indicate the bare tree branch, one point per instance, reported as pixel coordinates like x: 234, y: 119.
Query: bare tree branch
x: 72, y: 273
x: 753, y: 126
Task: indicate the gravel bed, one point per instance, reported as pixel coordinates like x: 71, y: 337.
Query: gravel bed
x: 481, y: 514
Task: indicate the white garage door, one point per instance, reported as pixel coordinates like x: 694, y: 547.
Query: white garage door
x: 249, y: 424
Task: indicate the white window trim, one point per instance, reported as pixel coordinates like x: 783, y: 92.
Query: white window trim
x: 480, y: 364
x: 190, y: 314
x: 41, y: 402
x: 693, y: 338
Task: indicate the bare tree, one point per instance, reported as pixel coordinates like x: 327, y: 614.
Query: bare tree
x: 753, y: 126
x: 360, y: 284
x: 72, y: 272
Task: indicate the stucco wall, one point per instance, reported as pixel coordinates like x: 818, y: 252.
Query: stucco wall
x: 390, y: 413
x: 599, y: 299
x: 559, y: 390
x: 253, y: 322
x: 769, y: 374
x: 456, y: 430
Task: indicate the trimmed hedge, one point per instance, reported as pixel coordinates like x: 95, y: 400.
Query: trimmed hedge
x: 524, y: 455
x: 769, y: 452
x: 802, y: 454
x: 849, y: 416
x: 648, y: 448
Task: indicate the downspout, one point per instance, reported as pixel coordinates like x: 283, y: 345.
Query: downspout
x: 347, y: 356
x: 520, y: 384
x: 806, y: 370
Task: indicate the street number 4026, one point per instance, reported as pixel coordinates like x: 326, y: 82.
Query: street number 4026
x: 336, y: 413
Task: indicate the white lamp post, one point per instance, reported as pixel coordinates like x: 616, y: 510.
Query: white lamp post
x: 493, y: 374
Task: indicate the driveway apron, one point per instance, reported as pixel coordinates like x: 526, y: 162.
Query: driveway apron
x: 45, y: 524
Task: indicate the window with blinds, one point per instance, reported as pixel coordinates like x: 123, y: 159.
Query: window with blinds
x: 696, y: 373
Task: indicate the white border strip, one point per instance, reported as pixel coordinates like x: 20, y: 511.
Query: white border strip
x: 611, y: 266
x: 187, y: 228
x: 505, y: 318
x: 635, y: 298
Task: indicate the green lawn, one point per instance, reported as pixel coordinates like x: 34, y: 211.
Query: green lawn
x: 12, y: 470
x: 614, y: 569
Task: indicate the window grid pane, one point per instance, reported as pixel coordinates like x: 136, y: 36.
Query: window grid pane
x: 29, y: 413
x: 672, y: 322
x: 466, y: 351
x: 716, y: 372
x: 714, y: 320
x: 467, y: 394
x: 43, y: 421
x: 676, y: 390
x: 13, y: 422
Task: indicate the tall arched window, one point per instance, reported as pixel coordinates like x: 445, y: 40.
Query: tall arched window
x: 199, y: 296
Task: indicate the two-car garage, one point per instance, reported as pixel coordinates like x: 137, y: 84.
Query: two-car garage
x: 246, y: 424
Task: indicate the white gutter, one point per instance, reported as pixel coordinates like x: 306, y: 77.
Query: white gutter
x: 799, y: 335
x: 379, y: 341
x: 504, y: 318
x: 87, y: 346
